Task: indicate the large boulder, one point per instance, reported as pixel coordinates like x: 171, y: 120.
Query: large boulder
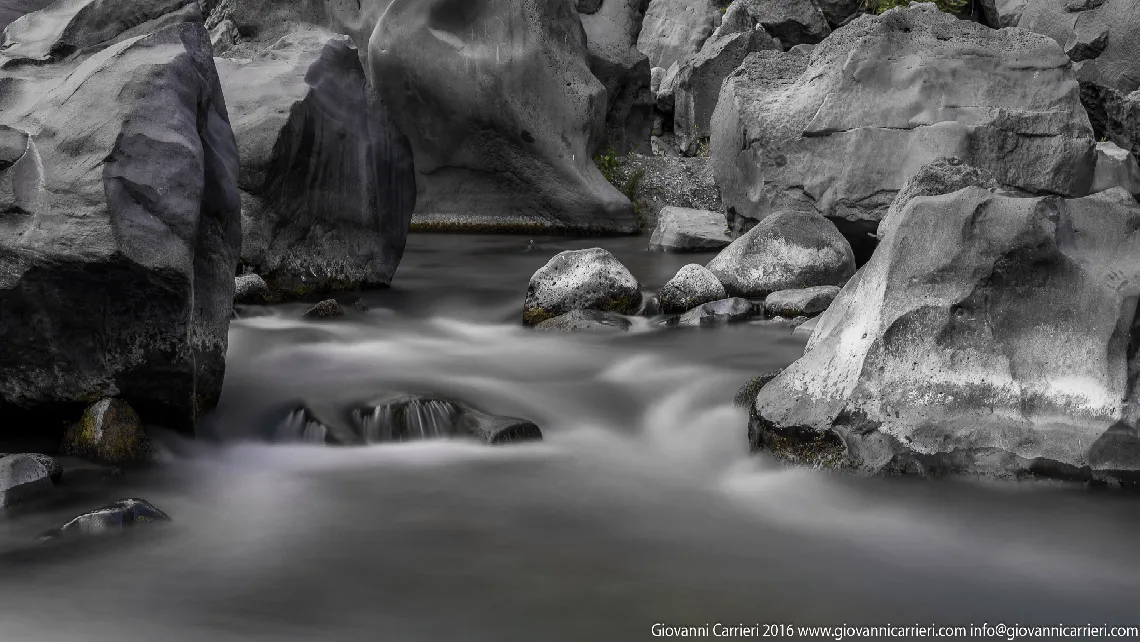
x: 673, y: 30
x: 121, y: 231
x: 591, y: 279
x: 792, y: 22
x: 611, y: 37
x: 804, y: 302
x: 988, y: 335
x: 789, y: 250
x: 327, y: 180
x: 838, y: 130
x: 693, y: 285
x: 939, y: 176
x: 502, y: 112
x: 699, y: 80
x: 657, y: 182
x: 687, y: 230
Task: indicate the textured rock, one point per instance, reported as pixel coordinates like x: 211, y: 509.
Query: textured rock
x: 611, y: 38
x: 51, y: 464
x: 940, y: 176
x: 585, y: 321
x: 251, y: 289
x: 673, y: 30
x: 792, y: 22
x: 804, y: 302
x: 687, y: 230
x: 785, y: 251
x: 114, y: 517
x: 988, y: 335
x: 12, y: 9
x: 1115, y: 167
x: 787, y: 126
x: 670, y: 181
x: 327, y: 309
x: 502, y: 113
x: 699, y: 80
x: 807, y: 328
x: 327, y: 178
x: 1003, y: 13
x: 22, y: 478
x: 121, y: 231
x: 693, y: 285
x: 110, y: 432
x: 1121, y: 118
x: 734, y: 310
x: 589, y: 279
x: 840, y: 12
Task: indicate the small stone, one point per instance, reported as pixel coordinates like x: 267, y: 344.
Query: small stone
x: 692, y: 286
x: 680, y: 229
x: 116, y: 516
x: 806, y: 328
x: 803, y: 302
x: 21, y: 478
x: 110, y: 432
x: 250, y: 289
x: 720, y: 312
x: 327, y: 309
x: 585, y: 321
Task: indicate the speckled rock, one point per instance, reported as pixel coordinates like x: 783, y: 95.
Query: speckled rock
x: 806, y: 328
x: 590, y: 279
x: 676, y: 29
x: 670, y: 181
x: 1115, y: 167
x: 988, y: 335
x: 792, y: 22
x: 804, y: 302
x: 734, y: 310
x: 940, y: 176
x: 681, y: 229
x: 840, y: 12
x: 21, y: 478
x: 788, y: 250
x: 327, y: 309
x: 51, y: 464
x: 611, y: 38
x: 110, y: 432
x: 585, y: 321
x: 693, y: 285
x: 1003, y: 13
x: 114, y: 517
x: 250, y: 289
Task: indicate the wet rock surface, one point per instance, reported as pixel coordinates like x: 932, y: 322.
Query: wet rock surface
x: 590, y: 279
x: 693, y: 285
x: 585, y: 321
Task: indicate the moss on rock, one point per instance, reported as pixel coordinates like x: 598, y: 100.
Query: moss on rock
x: 109, y: 432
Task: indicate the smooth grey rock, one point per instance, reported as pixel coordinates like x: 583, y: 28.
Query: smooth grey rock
x: 788, y: 126
x: 807, y: 328
x: 502, y: 112
x: 940, y: 176
x: 693, y: 285
x: 788, y: 250
x: 109, y: 432
x: 792, y: 22
x: 223, y: 37
x: 988, y: 335
x: 327, y: 309
x: 699, y: 80
x: 50, y: 464
x: 665, y: 96
x: 585, y: 321
x: 611, y: 39
x: 673, y: 30
x: 22, y: 478
x: 327, y: 178
x: 670, y: 181
x: 114, y: 517
x: 250, y: 289
x: 590, y: 279
x: 117, y: 263
x: 804, y: 302
x: 737, y: 19
x: 681, y: 229
x: 1115, y: 167
x: 734, y: 310
x: 1003, y: 13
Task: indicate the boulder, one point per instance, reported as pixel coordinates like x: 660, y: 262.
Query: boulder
x: 1003, y: 13
x: 940, y: 176
x: 788, y: 126
x: 673, y: 30
x: 120, y: 237
x: 110, y: 432
x: 988, y: 335
x: 1115, y: 167
x: 806, y: 329
x: 50, y: 464
x: 657, y: 182
x: 840, y: 12
x: 788, y: 250
x: 804, y: 302
x: 699, y: 80
x: 114, y: 517
x: 589, y: 279
x: 502, y: 112
x: 611, y: 38
x: 251, y: 289
x: 687, y: 230
x: 792, y: 22
x: 327, y: 309
x: 327, y: 182
x: 734, y: 310
x: 693, y: 285
x: 585, y: 321
x: 22, y: 478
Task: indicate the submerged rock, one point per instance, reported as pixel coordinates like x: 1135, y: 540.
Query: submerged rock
x: 590, y: 279
x: 585, y: 321
x: 114, y: 517
x: 804, y: 302
x: 734, y: 310
x: 940, y: 176
x: 693, y: 285
x: 687, y: 230
x: 22, y: 478
x: 109, y: 432
x: 327, y: 309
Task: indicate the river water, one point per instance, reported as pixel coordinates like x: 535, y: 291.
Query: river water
x: 641, y: 506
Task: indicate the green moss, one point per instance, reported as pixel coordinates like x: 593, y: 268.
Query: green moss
x: 628, y: 182
x: 881, y: 6
x: 117, y: 437
x: 535, y: 316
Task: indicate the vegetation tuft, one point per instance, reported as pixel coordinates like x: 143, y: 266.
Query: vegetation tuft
x: 949, y: 6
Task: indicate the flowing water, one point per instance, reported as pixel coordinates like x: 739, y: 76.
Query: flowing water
x: 642, y: 504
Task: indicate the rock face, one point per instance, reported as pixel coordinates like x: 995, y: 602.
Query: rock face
x: 580, y: 280
x: 805, y: 302
x: 940, y: 176
x: 693, y: 285
x: 670, y: 181
x: 502, y: 113
x: 789, y: 250
x: 699, y: 80
x: 1115, y: 167
x: 686, y: 230
x: 788, y: 126
x: 114, y: 517
x: 673, y: 30
x: 792, y: 22
x: 988, y: 335
x: 611, y: 37
x: 585, y: 321
x: 21, y: 478
x: 110, y: 432
x: 840, y: 12
x: 327, y: 179
x: 121, y: 229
